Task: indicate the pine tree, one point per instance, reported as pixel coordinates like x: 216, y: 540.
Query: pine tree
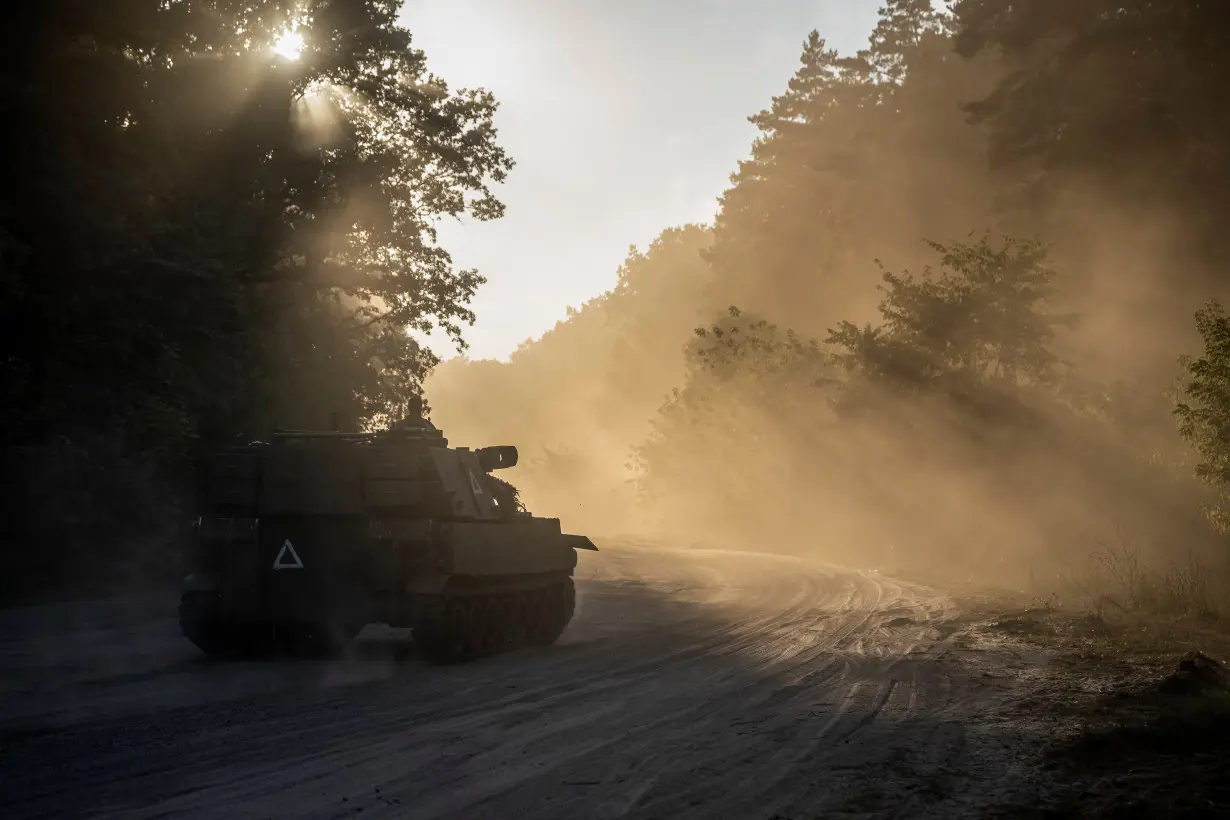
x: 1123, y: 97
x: 780, y: 223
x: 903, y: 27
x: 861, y: 157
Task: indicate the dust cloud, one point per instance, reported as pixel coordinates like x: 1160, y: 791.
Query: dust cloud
x: 978, y: 430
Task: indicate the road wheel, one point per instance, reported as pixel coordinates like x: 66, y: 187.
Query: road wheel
x: 515, y: 620
x: 460, y: 629
x: 487, y: 627
x: 542, y: 616
x: 556, y: 612
x: 202, y: 622
x: 432, y: 637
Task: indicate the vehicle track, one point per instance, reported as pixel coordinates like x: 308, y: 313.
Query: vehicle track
x: 692, y: 683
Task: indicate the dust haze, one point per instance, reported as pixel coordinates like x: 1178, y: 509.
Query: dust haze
x: 753, y: 383
x: 909, y: 475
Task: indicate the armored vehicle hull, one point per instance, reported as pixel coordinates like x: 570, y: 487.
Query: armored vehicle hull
x: 305, y: 540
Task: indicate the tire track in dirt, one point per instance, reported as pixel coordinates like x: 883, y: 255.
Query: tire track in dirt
x: 692, y: 683
x: 685, y: 722
x: 512, y: 757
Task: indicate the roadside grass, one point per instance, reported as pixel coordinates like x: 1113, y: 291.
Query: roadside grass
x: 1120, y: 597
x: 1142, y: 581
x: 1142, y: 712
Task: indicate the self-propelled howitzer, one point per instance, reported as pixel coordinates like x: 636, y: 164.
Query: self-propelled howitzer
x: 307, y: 538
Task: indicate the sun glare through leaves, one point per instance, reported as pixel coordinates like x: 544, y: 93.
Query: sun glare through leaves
x: 289, y: 46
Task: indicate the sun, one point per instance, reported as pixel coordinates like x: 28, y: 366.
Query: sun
x: 289, y: 45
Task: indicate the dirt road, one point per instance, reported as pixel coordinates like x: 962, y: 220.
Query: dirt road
x: 691, y: 684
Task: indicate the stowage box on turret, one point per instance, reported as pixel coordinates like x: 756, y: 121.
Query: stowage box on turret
x: 306, y: 539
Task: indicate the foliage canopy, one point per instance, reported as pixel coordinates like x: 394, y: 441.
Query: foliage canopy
x: 204, y: 239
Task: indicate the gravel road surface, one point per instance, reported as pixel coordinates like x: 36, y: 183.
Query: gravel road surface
x: 691, y: 684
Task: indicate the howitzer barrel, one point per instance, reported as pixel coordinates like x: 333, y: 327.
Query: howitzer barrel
x: 497, y: 458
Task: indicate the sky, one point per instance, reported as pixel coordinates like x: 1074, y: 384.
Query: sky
x: 625, y: 117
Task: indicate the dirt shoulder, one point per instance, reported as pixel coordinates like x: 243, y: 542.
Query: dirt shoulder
x: 1140, y: 710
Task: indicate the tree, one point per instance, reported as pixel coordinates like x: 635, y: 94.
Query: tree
x: 903, y: 27
x: 956, y: 375
x: 598, y: 373
x: 217, y: 232
x: 741, y: 346
x: 1120, y: 96
x: 986, y: 314
x: 978, y: 336
x: 204, y: 239
x: 734, y: 431
x: 857, y: 158
x: 1203, y: 407
x: 660, y: 296
x: 779, y: 226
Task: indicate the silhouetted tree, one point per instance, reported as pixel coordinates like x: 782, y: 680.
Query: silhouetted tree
x: 984, y: 320
x: 203, y: 239
x: 1121, y: 95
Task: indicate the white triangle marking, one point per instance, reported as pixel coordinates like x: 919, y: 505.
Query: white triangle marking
x: 288, y: 549
x: 474, y: 485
